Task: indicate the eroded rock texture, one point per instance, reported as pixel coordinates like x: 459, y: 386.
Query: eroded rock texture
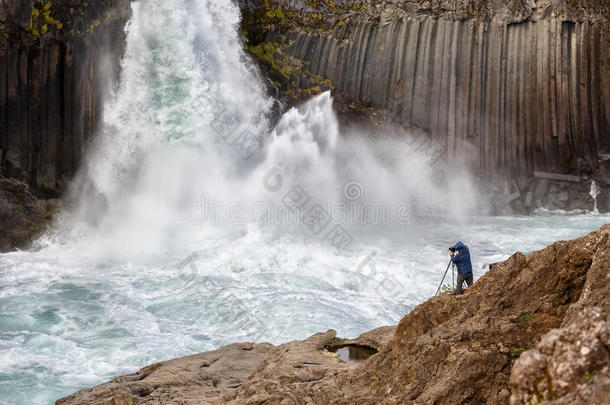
x: 569, y: 366
x: 461, y: 350
x: 293, y: 373
x: 448, y: 350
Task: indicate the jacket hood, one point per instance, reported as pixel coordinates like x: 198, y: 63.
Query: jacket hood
x: 459, y: 245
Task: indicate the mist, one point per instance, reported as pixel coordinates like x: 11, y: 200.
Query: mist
x: 186, y: 150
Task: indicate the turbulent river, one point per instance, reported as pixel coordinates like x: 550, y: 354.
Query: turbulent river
x: 194, y: 224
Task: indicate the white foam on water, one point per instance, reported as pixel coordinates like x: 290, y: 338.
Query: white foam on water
x: 179, y: 238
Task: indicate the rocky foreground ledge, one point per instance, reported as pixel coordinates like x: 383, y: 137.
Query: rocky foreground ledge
x: 533, y: 329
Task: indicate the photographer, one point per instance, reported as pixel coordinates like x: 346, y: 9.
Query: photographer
x: 460, y: 255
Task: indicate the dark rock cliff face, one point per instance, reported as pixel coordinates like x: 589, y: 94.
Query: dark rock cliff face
x: 507, y: 88
x: 56, y: 61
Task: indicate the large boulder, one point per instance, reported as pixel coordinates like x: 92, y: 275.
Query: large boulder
x: 569, y: 366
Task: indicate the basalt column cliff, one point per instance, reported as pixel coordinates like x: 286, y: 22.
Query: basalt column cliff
x: 57, y: 59
x: 54, y: 63
x: 516, y: 90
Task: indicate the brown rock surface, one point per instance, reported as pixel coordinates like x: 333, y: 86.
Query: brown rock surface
x: 238, y: 373
x: 448, y: 350
x: 569, y: 366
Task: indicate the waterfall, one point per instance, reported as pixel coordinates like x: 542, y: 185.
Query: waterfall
x: 173, y: 131
x: 594, y: 192
x: 177, y: 240
x: 188, y: 127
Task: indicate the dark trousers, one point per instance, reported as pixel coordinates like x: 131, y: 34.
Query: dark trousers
x: 460, y: 281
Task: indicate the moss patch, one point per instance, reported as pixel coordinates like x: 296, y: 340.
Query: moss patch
x: 41, y: 20
x: 525, y: 317
x: 517, y: 351
x: 269, y: 53
x: 445, y: 289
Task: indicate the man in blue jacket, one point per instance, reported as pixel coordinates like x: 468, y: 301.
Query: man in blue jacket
x: 460, y: 255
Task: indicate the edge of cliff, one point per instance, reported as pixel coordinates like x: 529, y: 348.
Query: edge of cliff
x: 447, y: 350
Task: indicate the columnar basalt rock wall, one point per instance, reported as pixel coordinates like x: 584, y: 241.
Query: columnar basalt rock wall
x: 506, y: 98
x: 52, y: 84
x: 505, y: 88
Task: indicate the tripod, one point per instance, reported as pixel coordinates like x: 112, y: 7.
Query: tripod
x: 445, y: 275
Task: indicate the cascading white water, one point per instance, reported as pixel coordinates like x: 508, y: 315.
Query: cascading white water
x: 161, y: 146
x: 180, y: 240
x: 594, y: 192
x: 188, y: 124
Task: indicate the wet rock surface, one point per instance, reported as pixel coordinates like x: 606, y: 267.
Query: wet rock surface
x: 353, y: 354
x: 23, y: 216
x: 448, y: 350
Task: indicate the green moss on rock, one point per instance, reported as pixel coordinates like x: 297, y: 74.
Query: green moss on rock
x: 41, y: 20
x: 269, y: 53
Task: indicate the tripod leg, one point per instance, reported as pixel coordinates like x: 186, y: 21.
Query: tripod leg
x: 444, y: 275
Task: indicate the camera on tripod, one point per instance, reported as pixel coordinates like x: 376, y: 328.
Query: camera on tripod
x: 452, y: 249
